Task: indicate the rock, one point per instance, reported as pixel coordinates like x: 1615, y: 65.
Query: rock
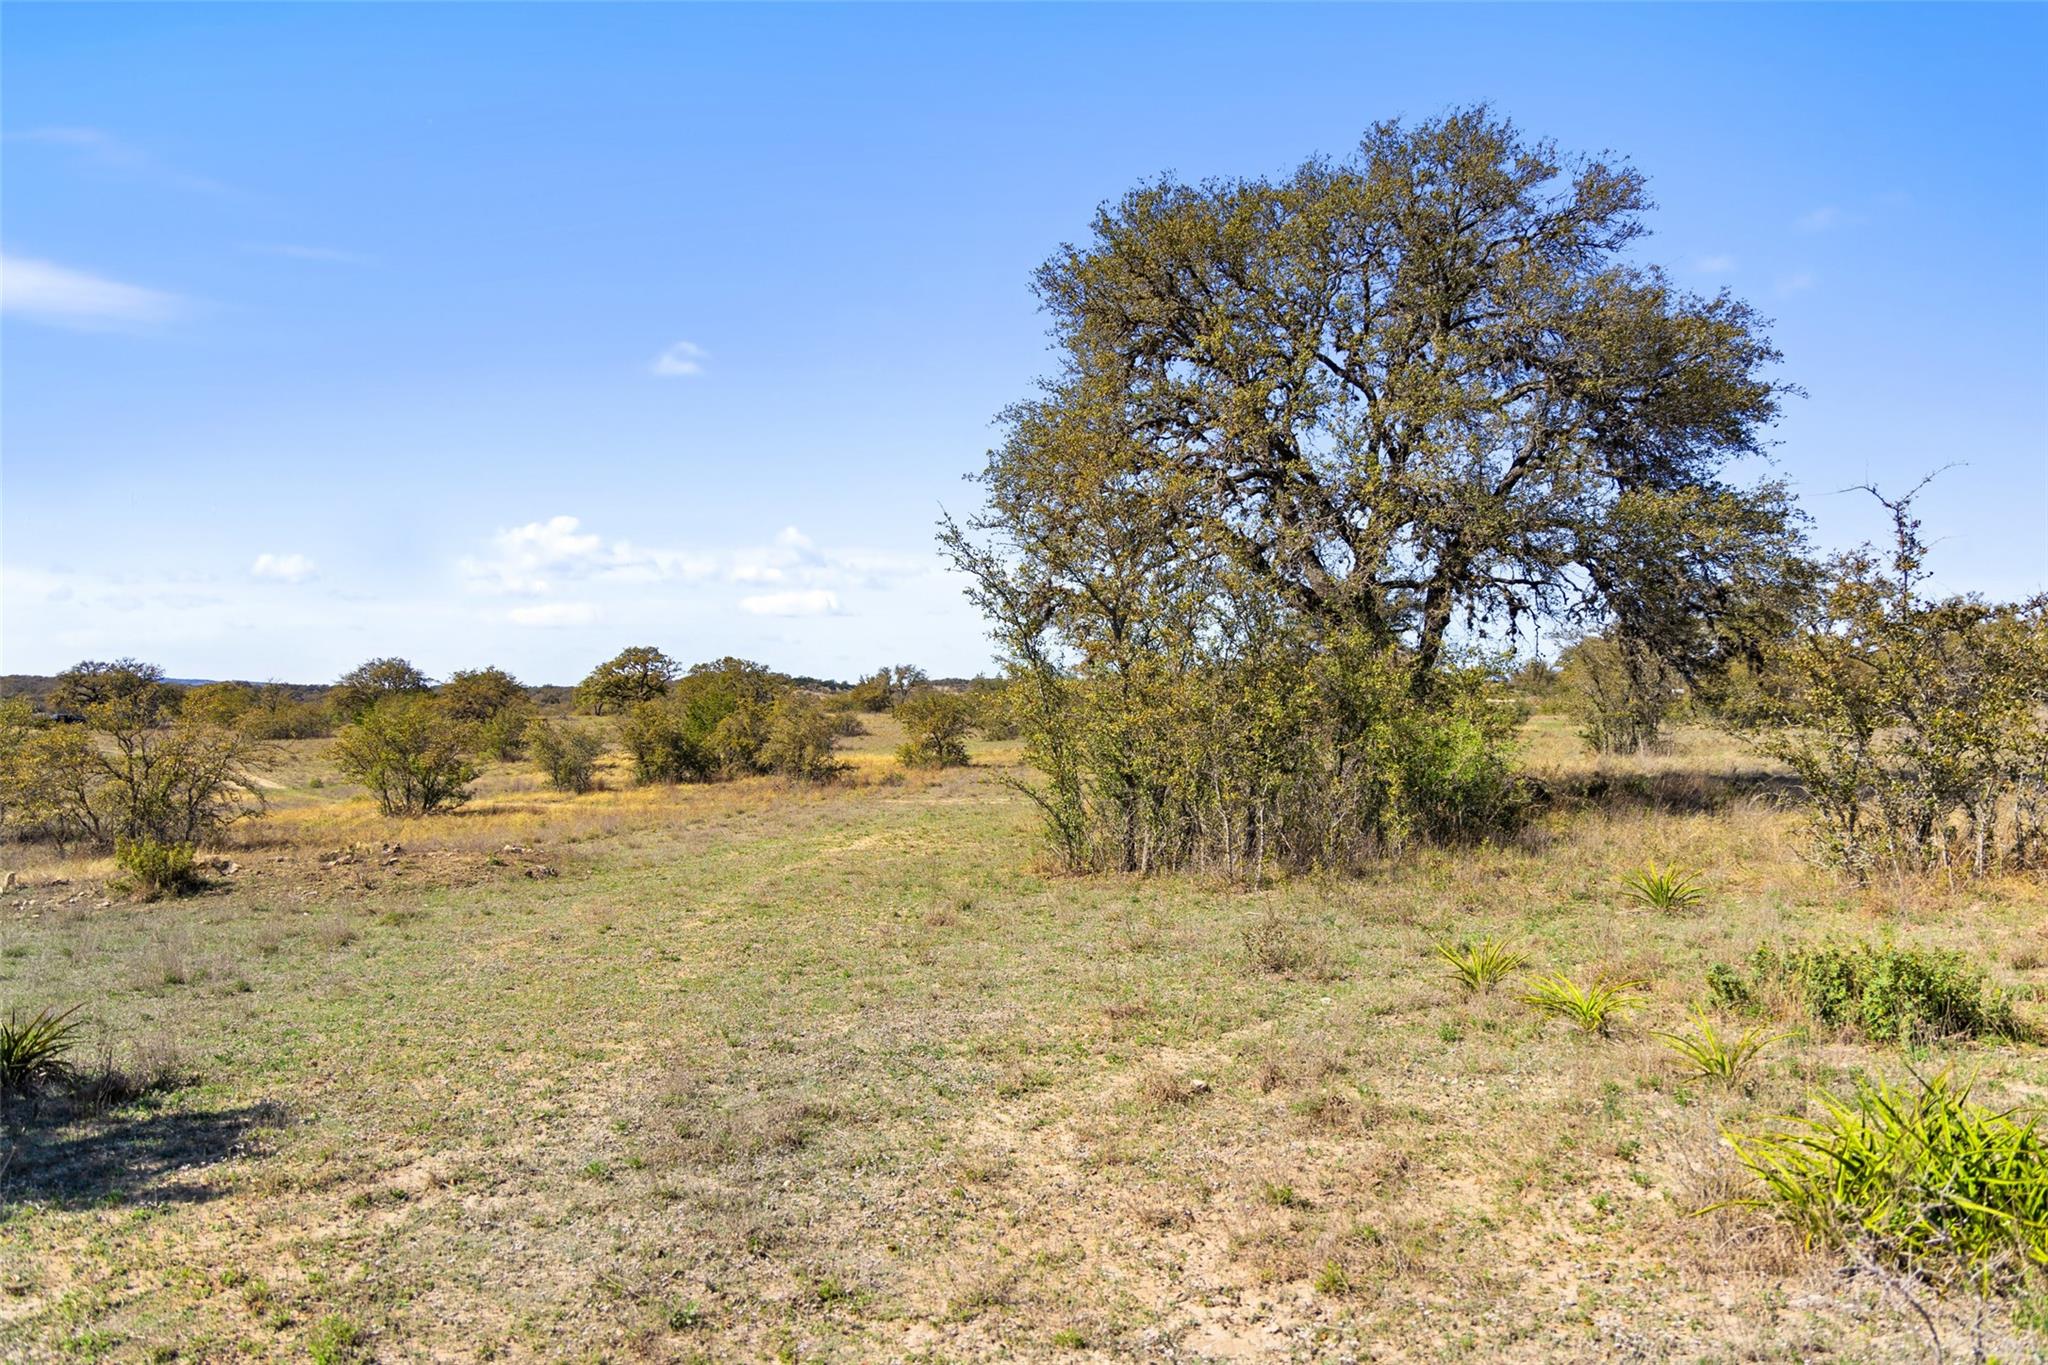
x: 540, y: 870
x: 8, y: 881
x: 513, y: 848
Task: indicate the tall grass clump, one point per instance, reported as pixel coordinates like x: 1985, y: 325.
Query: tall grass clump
x: 1715, y: 1055
x: 1594, y: 1008
x: 1480, y: 966
x: 1917, y: 1178
x: 34, y: 1050
x: 1663, y: 888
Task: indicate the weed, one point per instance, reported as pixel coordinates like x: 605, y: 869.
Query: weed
x: 334, y: 1340
x: 33, y: 1049
x: 1482, y: 965
x: 1593, y: 1008
x: 1715, y: 1055
x: 1277, y: 944
x: 1283, y: 1197
x: 1333, y: 1279
x: 1916, y: 1177
x: 1663, y: 887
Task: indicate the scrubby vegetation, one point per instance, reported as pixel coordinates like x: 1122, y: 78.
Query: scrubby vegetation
x: 1914, y: 1176
x: 410, y: 752
x: 1886, y: 992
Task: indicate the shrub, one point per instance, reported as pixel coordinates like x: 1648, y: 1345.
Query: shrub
x: 799, y: 740
x: 1619, y: 691
x: 157, y: 869
x: 494, y: 706
x: 567, y: 757
x: 33, y: 1049
x: 935, y: 726
x: 1918, y: 726
x: 1917, y: 1177
x: 1593, y: 1008
x: 278, y: 714
x: 1887, y: 993
x: 410, y: 753
x: 1275, y: 943
x: 219, y: 703
x: 713, y: 722
x: 1482, y: 965
x: 129, y: 771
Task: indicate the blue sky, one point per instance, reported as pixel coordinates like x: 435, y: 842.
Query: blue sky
x: 516, y: 335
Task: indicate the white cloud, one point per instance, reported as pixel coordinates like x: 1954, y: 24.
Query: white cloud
x: 1714, y: 265
x: 1797, y: 282
x: 553, y: 614
x: 811, y: 602
x: 294, y: 251
x: 292, y: 568
x: 683, y: 358
x: 103, y: 152
x: 46, y: 292
x: 530, y: 559
x: 1818, y: 220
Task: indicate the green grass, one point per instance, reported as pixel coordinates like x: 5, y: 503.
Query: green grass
x: 1480, y: 966
x: 1595, y: 1007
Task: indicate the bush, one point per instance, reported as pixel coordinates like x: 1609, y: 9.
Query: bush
x: 157, y: 869
x: 128, y: 771
x: 1919, y: 727
x: 1886, y: 993
x: 278, y: 714
x: 1916, y: 1177
x: 713, y: 722
x: 1619, y: 691
x: 566, y: 757
x: 494, y: 706
x: 799, y: 740
x: 935, y: 726
x: 410, y: 753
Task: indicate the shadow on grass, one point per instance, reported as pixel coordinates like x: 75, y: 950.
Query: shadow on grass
x: 1676, y: 793
x: 136, y: 1155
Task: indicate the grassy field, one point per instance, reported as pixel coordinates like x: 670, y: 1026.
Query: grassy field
x: 750, y: 1072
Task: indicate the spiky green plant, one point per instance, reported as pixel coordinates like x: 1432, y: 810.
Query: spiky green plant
x: 1716, y: 1055
x: 1593, y: 1008
x: 1483, y: 965
x: 1915, y: 1176
x: 1663, y: 887
x: 33, y: 1048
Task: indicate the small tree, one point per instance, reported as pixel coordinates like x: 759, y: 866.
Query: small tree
x: 935, y: 726
x: 218, y: 703
x: 628, y: 678
x: 1918, y: 725
x: 363, y: 686
x: 567, y: 757
x: 410, y: 753
x: 92, y: 683
x: 799, y: 739
x: 127, y: 773
x: 495, y: 707
x: 1620, y: 692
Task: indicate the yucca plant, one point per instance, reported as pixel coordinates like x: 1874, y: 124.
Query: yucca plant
x: 1593, y: 1008
x: 33, y: 1048
x: 1918, y: 1177
x: 1483, y: 965
x: 1716, y: 1055
x: 1663, y: 887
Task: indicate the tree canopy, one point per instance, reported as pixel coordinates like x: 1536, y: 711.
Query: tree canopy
x: 1425, y: 383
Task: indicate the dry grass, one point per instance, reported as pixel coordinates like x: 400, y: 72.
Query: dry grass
x: 836, y: 1074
